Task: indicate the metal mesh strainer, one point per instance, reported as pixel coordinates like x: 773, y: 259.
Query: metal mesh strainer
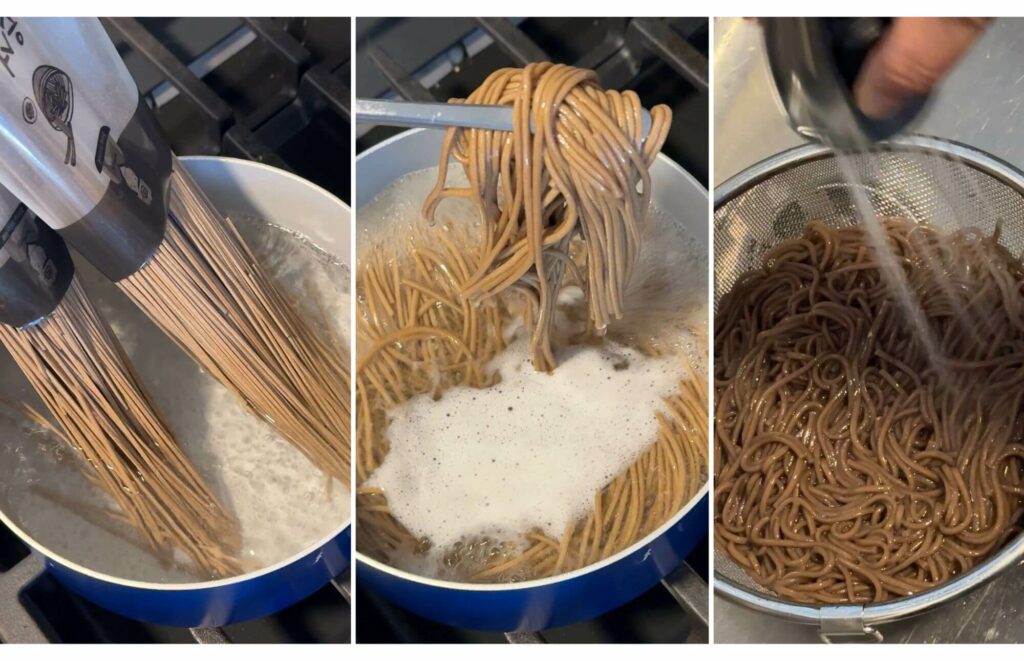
x: 925, y: 179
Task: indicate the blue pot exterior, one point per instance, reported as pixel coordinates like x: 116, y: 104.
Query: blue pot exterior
x: 239, y: 600
x: 554, y: 604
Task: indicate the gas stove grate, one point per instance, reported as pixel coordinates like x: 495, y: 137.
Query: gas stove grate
x: 280, y: 96
x: 40, y: 610
x: 676, y: 611
x: 220, y: 636
x: 688, y: 589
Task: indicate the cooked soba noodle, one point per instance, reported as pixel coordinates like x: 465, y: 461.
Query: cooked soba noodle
x: 851, y: 466
x: 558, y: 207
x: 583, y: 171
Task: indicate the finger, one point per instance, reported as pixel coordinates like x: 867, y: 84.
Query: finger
x: 911, y: 58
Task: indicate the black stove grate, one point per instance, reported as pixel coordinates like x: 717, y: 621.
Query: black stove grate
x: 270, y: 90
x: 282, y: 99
x: 674, y: 612
x: 665, y: 61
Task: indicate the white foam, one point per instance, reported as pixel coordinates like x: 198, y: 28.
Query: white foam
x: 530, y: 452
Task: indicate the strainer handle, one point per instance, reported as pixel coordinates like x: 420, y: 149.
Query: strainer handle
x: 845, y: 624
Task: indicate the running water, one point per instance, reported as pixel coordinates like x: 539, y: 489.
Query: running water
x: 891, y: 270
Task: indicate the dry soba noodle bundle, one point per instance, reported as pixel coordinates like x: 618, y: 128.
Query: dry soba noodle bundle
x: 850, y: 465
x: 207, y: 291
x: 79, y: 369
x: 560, y: 206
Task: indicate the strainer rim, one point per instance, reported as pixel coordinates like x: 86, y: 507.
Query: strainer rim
x: 742, y: 181
x: 887, y: 611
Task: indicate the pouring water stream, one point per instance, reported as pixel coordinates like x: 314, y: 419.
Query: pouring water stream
x: 905, y: 298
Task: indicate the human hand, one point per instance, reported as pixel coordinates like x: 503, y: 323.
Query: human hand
x: 913, y: 56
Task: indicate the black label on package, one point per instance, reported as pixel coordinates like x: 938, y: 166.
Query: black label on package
x: 121, y: 233
x: 35, y: 269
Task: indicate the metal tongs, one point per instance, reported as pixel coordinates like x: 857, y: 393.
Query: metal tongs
x: 414, y: 114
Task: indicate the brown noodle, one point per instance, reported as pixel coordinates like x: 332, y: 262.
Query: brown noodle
x: 850, y: 466
x: 433, y: 305
x: 582, y: 171
x: 75, y: 363
x: 204, y: 288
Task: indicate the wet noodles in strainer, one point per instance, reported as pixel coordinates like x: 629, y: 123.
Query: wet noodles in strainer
x: 850, y: 465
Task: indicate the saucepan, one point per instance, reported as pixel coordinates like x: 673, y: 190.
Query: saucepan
x: 575, y: 596
x: 244, y: 190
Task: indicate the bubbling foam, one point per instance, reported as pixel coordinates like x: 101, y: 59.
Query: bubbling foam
x: 469, y: 486
x: 529, y: 452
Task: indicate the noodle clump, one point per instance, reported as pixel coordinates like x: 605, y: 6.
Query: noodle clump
x: 850, y: 465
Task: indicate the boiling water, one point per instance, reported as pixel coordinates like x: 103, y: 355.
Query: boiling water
x: 665, y: 303
x: 318, y: 281
x: 532, y: 451
x: 529, y: 452
x: 283, y: 503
